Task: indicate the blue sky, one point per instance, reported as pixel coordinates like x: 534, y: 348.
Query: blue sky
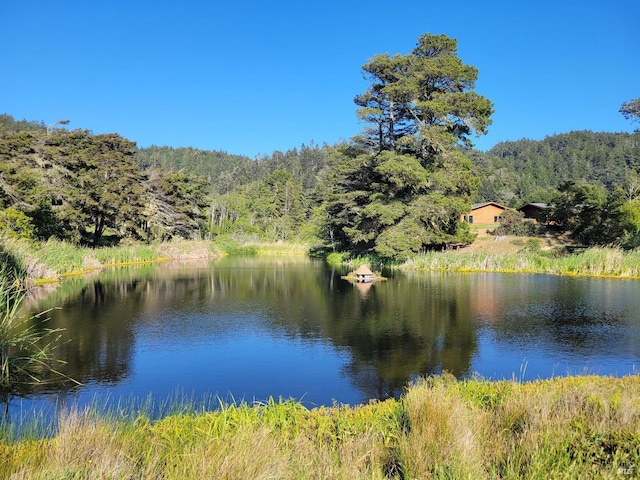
x: 250, y: 77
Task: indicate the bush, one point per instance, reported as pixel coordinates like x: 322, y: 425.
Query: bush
x: 16, y: 224
x: 512, y: 222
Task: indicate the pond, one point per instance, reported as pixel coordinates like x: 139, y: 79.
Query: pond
x: 246, y: 329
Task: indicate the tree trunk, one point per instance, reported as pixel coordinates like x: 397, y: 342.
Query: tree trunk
x: 98, y: 231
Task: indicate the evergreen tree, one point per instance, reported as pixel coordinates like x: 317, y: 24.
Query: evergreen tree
x: 631, y: 109
x: 175, y: 205
x: 402, y: 185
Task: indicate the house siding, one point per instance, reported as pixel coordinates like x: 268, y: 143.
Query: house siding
x: 489, y: 213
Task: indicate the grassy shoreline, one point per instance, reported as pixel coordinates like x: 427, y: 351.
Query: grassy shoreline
x: 50, y: 261
x: 596, y: 261
x: 570, y: 427
x: 53, y: 260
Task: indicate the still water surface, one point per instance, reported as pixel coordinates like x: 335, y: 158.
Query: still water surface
x: 253, y: 328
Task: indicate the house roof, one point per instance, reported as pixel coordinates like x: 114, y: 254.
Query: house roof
x: 363, y: 270
x: 536, y: 205
x: 475, y: 206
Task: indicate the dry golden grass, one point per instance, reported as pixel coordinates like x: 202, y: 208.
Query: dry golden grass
x: 576, y: 427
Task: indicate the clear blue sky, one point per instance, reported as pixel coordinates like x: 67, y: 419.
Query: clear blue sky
x: 250, y: 77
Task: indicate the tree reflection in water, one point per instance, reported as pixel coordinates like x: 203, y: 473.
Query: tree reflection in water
x: 378, y: 336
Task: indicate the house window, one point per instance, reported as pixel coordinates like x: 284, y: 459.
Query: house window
x: 470, y: 218
x: 496, y: 219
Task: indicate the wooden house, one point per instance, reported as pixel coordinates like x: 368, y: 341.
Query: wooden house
x: 484, y: 213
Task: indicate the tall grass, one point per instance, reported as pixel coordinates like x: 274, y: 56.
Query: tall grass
x: 126, y: 254
x: 592, y: 261
x: 25, y: 345
x: 574, y: 427
x: 354, y: 261
x: 231, y: 247
x: 55, y: 258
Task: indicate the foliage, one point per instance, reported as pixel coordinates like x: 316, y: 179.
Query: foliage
x: 76, y: 186
x: 574, y: 427
x: 512, y: 222
x: 107, y: 192
x: 175, y: 205
x: 348, y: 194
x: 594, y: 261
x: 631, y: 109
x: 422, y: 102
x: 629, y: 223
x: 402, y: 186
x: 274, y: 209
x: 595, y: 217
x: 25, y: 345
x: 225, y: 172
x: 518, y: 172
x: 9, y: 124
x: 15, y: 223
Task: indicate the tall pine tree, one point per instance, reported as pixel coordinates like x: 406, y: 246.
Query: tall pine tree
x: 403, y: 184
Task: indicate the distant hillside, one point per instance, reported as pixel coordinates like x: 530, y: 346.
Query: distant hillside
x: 223, y: 170
x: 226, y: 172
x: 531, y: 170
x: 512, y: 173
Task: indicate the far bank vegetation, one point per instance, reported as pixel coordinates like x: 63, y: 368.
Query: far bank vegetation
x: 396, y: 190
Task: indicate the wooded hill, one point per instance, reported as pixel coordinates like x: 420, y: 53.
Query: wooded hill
x: 225, y: 172
x: 522, y: 171
x: 512, y: 173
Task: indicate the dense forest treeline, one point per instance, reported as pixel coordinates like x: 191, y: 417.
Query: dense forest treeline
x: 398, y: 188
x: 76, y: 186
x: 230, y: 189
x: 512, y: 173
x: 522, y: 171
x: 225, y: 172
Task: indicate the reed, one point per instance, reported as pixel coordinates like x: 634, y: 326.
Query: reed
x: 187, y: 250
x: 572, y: 427
x: 283, y: 249
x: 26, y: 345
x: 596, y: 261
x: 126, y: 254
x: 54, y: 258
x: 63, y: 257
x: 354, y: 261
x: 252, y: 248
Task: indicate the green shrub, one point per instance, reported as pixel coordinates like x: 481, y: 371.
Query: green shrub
x: 16, y: 224
x: 512, y: 222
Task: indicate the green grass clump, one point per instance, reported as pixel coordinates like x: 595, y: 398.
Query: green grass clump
x: 127, y: 254
x: 62, y: 257
x: 253, y: 248
x: 573, y: 427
